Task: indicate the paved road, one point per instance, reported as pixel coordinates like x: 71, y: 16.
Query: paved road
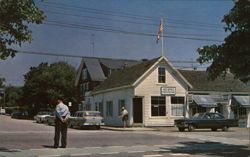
x: 26, y: 138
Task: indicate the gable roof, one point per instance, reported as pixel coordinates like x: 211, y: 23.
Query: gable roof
x: 94, y: 67
x: 130, y: 76
x: 126, y: 76
x: 200, y: 82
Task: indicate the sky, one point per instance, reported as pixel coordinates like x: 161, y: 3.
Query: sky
x: 119, y: 29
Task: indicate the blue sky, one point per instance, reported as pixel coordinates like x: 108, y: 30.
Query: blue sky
x: 120, y: 29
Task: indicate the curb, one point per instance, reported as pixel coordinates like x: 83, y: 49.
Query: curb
x: 128, y: 129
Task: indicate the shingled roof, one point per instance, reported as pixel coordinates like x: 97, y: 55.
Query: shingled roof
x: 126, y: 76
x: 94, y: 66
x: 200, y: 82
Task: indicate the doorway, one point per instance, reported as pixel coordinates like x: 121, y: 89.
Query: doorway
x: 137, y: 110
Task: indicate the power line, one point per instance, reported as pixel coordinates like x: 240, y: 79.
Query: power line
x: 79, y: 56
x: 125, y: 15
x: 96, y: 28
x: 193, y: 27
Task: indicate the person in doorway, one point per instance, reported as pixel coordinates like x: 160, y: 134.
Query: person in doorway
x: 124, y: 115
x: 61, y: 119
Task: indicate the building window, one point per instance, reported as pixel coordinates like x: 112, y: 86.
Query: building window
x: 242, y: 112
x: 109, y: 108
x: 158, y: 106
x: 161, y: 75
x: 84, y: 74
x: 100, y: 107
x: 121, y: 103
x: 177, y: 106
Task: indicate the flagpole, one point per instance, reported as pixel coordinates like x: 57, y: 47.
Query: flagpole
x: 162, y: 38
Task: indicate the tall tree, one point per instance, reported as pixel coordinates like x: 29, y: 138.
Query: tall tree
x: 15, y: 16
x: 2, y: 80
x: 13, y: 96
x: 234, y: 53
x: 43, y: 84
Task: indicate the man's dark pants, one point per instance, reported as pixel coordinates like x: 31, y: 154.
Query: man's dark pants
x: 60, y: 128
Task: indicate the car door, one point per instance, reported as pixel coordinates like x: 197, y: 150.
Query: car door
x: 218, y: 120
x: 205, y: 121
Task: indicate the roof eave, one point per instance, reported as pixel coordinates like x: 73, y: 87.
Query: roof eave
x: 111, y: 89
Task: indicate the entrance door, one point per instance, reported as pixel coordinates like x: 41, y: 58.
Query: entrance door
x: 137, y: 110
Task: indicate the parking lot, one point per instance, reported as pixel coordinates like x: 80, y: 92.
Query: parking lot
x: 29, y: 137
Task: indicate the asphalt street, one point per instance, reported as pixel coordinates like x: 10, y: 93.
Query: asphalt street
x: 27, y: 138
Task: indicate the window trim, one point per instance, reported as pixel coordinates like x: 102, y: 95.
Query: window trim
x: 165, y: 105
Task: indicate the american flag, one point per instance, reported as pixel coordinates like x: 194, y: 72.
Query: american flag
x: 159, y: 32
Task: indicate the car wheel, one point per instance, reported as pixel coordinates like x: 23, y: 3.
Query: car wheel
x: 181, y: 129
x: 214, y: 129
x: 190, y: 128
x: 225, y: 128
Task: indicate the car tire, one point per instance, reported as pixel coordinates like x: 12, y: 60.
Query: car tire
x: 190, y: 128
x: 225, y: 128
x: 181, y: 129
x: 214, y: 129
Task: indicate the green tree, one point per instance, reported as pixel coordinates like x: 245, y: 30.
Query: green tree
x: 13, y: 96
x: 234, y: 53
x: 15, y: 17
x: 43, y: 84
x: 2, y: 80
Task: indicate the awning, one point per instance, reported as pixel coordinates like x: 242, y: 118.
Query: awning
x: 204, y: 101
x: 243, y: 101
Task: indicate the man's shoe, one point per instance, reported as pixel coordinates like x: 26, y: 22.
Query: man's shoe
x: 63, y: 147
x: 55, y: 147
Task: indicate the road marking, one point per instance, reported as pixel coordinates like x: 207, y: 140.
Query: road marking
x: 80, y: 154
x: 179, y: 154
x: 135, y: 152
x: 108, y: 153
x: 49, y: 155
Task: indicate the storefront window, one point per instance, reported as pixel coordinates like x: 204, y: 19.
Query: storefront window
x: 177, y: 106
x: 242, y: 113
x: 158, y: 106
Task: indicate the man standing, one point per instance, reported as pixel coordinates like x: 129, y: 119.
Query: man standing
x: 62, y: 114
x: 124, y: 115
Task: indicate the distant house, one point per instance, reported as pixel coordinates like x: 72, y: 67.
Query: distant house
x: 155, y: 93
x: 92, y: 71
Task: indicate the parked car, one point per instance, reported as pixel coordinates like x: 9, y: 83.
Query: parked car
x: 41, y: 116
x: 20, y: 114
x: 213, y: 121
x: 2, y: 111
x: 50, y: 119
x: 86, y: 119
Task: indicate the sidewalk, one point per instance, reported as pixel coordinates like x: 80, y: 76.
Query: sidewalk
x: 129, y: 128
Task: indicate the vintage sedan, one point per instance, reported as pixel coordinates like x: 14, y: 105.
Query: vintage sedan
x: 205, y: 120
x: 20, y: 114
x: 50, y: 120
x: 41, y: 116
x: 83, y: 119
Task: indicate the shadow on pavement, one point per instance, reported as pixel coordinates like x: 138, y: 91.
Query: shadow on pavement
x: 2, y: 149
x: 210, y: 149
x: 48, y: 146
